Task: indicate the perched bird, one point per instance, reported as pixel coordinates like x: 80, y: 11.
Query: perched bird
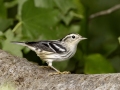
x: 55, y: 50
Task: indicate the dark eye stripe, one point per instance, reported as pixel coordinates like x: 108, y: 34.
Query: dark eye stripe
x: 64, y: 39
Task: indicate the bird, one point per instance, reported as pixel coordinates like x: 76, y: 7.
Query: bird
x: 54, y: 50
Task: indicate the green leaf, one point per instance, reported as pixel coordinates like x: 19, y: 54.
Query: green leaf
x: 10, y: 47
x: 64, y: 5
x: 5, y: 23
x: 74, y: 28
x: 44, y: 3
x: 44, y: 23
x: 96, y: 63
x: 80, y: 8
x: 67, y: 18
x: 20, y: 5
x: 2, y: 36
x: 39, y: 22
x: 3, y: 11
x: 66, y: 11
x: 11, y: 3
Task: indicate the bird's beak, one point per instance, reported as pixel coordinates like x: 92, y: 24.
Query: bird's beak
x: 83, y: 38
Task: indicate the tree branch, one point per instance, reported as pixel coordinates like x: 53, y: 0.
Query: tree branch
x: 25, y: 75
x: 105, y: 12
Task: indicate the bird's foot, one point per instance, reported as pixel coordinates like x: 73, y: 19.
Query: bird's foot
x: 57, y: 73
x: 65, y: 72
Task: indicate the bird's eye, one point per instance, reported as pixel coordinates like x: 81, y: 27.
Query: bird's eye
x: 73, y: 36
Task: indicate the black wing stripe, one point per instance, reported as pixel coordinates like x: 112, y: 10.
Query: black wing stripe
x: 33, y: 44
x: 57, y: 47
x: 40, y: 45
x: 46, y: 44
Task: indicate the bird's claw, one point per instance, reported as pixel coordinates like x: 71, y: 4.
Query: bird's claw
x: 57, y: 73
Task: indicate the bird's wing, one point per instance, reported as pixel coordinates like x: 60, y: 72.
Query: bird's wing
x: 50, y: 46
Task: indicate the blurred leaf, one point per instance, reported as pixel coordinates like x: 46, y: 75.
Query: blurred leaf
x: 74, y: 28
x: 116, y: 63
x: 119, y: 39
x: 5, y: 23
x: 3, y: 11
x: 71, y: 64
x: 80, y: 8
x: 79, y: 65
x: 40, y: 20
x: 109, y: 48
x: 96, y: 63
x: 66, y: 8
x: 43, y: 21
x: 44, y: 3
x: 2, y: 36
x: 10, y: 47
x: 26, y: 50
x: 11, y: 3
x: 20, y: 5
x: 18, y: 30
x: 62, y: 65
x: 65, y: 16
x: 68, y: 17
x: 64, y: 5
x: 62, y: 30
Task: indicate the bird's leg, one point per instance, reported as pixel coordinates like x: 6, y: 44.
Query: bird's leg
x: 57, y: 71
x: 50, y: 65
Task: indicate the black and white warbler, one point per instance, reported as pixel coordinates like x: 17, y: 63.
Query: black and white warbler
x: 55, y: 50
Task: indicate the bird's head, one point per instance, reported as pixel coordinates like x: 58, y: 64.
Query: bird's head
x: 73, y: 39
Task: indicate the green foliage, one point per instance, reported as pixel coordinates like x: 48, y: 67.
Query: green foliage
x: 8, y: 46
x: 31, y: 20
x: 41, y: 20
x: 96, y: 63
x: 4, y: 22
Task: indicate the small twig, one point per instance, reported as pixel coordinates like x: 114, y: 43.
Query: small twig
x: 17, y: 26
x: 105, y: 12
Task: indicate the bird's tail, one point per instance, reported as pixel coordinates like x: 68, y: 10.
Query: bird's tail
x: 24, y: 44
x: 19, y: 43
